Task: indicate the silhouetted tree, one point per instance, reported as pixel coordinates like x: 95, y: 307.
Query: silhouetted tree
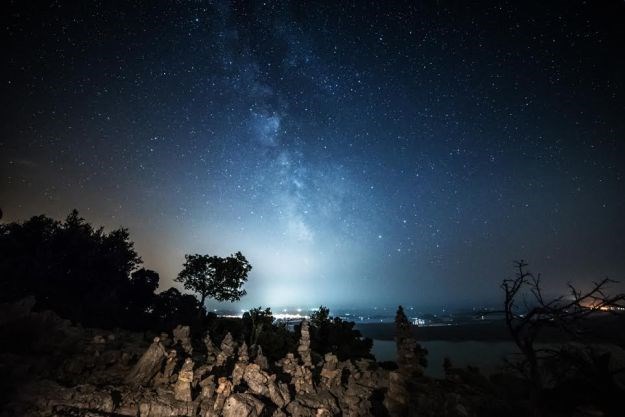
x: 172, y: 308
x: 80, y: 272
x: 140, y: 293
x: 320, y: 317
x: 525, y: 322
x: 332, y: 334
x: 276, y: 341
x: 215, y: 277
x: 255, y: 322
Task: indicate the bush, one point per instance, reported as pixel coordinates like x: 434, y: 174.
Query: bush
x: 332, y: 334
x: 87, y: 275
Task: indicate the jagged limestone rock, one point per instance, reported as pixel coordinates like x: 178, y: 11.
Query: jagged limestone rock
x: 163, y: 405
x: 182, y: 389
x: 237, y: 372
x: 166, y: 340
x: 279, y: 413
x: 211, y: 350
x: 239, y: 367
x: 200, y: 373
x: 301, y: 375
x: 330, y: 373
x: 360, y: 386
x: 165, y: 377
x: 148, y: 365
x: 242, y: 405
x: 243, y: 353
x: 260, y: 382
x: 260, y: 359
x: 208, y: 387
x: 304, y: 344
x: 409, y: 352
x: 408, y: 357
x: 228, y: 347
x: 322, y: 403
x: 182, y: 335
x: 224, y: 389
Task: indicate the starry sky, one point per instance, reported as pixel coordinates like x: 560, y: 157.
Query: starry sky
x: 358, y: 153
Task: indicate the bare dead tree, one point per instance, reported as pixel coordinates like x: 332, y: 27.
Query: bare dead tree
x: 527, y: 313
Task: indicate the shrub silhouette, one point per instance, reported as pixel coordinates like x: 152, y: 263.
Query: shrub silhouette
x: 80, y: 272
x: 86, y: 275
x: 333, y: 334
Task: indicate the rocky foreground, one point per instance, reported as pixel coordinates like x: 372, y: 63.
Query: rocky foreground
x: 52, y: 368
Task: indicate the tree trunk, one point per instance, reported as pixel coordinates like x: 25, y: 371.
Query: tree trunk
x: 202, y: 308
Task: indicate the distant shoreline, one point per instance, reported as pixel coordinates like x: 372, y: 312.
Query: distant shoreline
x: 477, y: 332
x: 596, y: 329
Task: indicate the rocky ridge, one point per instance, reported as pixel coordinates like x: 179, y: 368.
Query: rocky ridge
x: 101, y: 373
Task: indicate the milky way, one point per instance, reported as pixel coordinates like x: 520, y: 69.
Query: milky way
x: 361, y: 153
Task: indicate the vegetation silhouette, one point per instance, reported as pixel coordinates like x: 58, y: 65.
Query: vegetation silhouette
x: 215, y: 277
x: 338, y: 336
x: 404, y: 340
x: 95, y: 278
x: 80, y: 272
x: 555, y: 374
x: 90, y: 276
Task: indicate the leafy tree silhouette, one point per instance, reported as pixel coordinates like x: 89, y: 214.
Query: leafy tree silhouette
x: 171, y: 308
x: 80, y: 272
x: 333, y: 334
x: 215, y: 277
x: 255, y: 322
x: 321, y: 317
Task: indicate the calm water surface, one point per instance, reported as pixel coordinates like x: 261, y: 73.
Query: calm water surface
x: 487, y: 356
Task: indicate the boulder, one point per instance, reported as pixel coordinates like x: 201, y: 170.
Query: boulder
x: 260, y: 359
x: 182, y: 336
x: 242, y: 405
x: 224, y: 389
x: 330, y: 372
x: 148, y: 365
x: 182, y: 389
x: 260, y: 382
x: 227, y: 347
x: 165, y: 377
x: 211, y: 350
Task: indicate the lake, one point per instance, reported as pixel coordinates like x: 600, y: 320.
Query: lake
x: 485, y: 355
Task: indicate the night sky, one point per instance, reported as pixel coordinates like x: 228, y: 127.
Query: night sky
x: 357, y: 153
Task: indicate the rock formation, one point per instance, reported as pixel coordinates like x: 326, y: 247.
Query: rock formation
x: 242, y: 405
x: 243, y: 354
x: 224, y: 389
x: 304, y: 344
x: 182, y: 389
x: 239, y: 366
x: 101, y: 380
x: 360, y: 385
x: 182, y: 336
x: 330, y: 373
x: 227, y: 349
x: 208, y: 387
x: 261, y: 383
x: 260, y: 359
x: 165, y: 377
x: 211, y: 350
x: 301, y: 376
x: 149, y: 365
